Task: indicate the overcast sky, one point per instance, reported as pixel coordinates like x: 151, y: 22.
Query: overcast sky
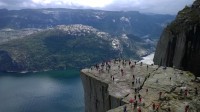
x: 147, y: 6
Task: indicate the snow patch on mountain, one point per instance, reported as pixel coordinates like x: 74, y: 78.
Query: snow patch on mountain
x: 116, y: 44
x: 124, y: 19
x: 124, y: 36
x: 98, y: 17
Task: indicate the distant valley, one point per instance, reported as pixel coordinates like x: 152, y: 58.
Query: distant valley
x: 49, y: 39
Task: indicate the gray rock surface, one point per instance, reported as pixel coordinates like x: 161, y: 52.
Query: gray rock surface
x: 102, y: 93
x: 179, y: 45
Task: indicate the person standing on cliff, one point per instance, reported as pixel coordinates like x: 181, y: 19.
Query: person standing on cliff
x: 154, y: 106
x: 129, y: 62
x: 139, y: 80
x: 125, y: 109
x: 135, y: 104
x: 135, y: 90
x: 122, y: 72
x: 147, y: 90
x: 181, y: 91
x: 132, y: 67
x: 196, y: 91
x: 132, y: 83
x: 186, y: 92
x: 149, y: 75
x: 140, y: 100
x: 156, y: 80
x: 113, y: 78
x: 109, y: 67
x: 157, y: 107
x: 139, y: 96
x: 139, y: 109
x: 187, y: 108
x: 169, y: 109
x: 160, y: 94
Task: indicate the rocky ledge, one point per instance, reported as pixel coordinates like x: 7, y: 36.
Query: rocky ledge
x: 119, y: 85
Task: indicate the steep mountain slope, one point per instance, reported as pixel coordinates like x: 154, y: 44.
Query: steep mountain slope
x: 10, y: 34
x: 68, y: 46
x: 179, y: 45
x: 117, y: 23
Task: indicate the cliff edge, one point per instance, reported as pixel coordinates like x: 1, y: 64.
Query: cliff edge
x: 117, y: 84
x: 179, y: 45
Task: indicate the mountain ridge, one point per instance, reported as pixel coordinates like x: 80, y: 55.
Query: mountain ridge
x: 129, y: 22
x: 63, y: 47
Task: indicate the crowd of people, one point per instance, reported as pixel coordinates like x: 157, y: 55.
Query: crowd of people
x: 136, y: 83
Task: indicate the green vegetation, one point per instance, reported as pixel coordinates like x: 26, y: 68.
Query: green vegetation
x: 187, y: 17
x: 56, y: 50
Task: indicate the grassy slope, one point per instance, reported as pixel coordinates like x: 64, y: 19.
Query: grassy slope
x: 55, y: 49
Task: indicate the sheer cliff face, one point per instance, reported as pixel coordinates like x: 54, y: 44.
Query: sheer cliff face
x: 97, y: 96
x: 179, y: 45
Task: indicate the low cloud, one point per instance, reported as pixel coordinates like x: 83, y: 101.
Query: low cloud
x: 147, y: 6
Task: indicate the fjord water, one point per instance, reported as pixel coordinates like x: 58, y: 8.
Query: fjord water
x: 53, y: 91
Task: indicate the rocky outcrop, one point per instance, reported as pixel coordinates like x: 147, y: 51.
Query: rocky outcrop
x: 97, y: 97
x: 103, y: 93
x: 179, y: 45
